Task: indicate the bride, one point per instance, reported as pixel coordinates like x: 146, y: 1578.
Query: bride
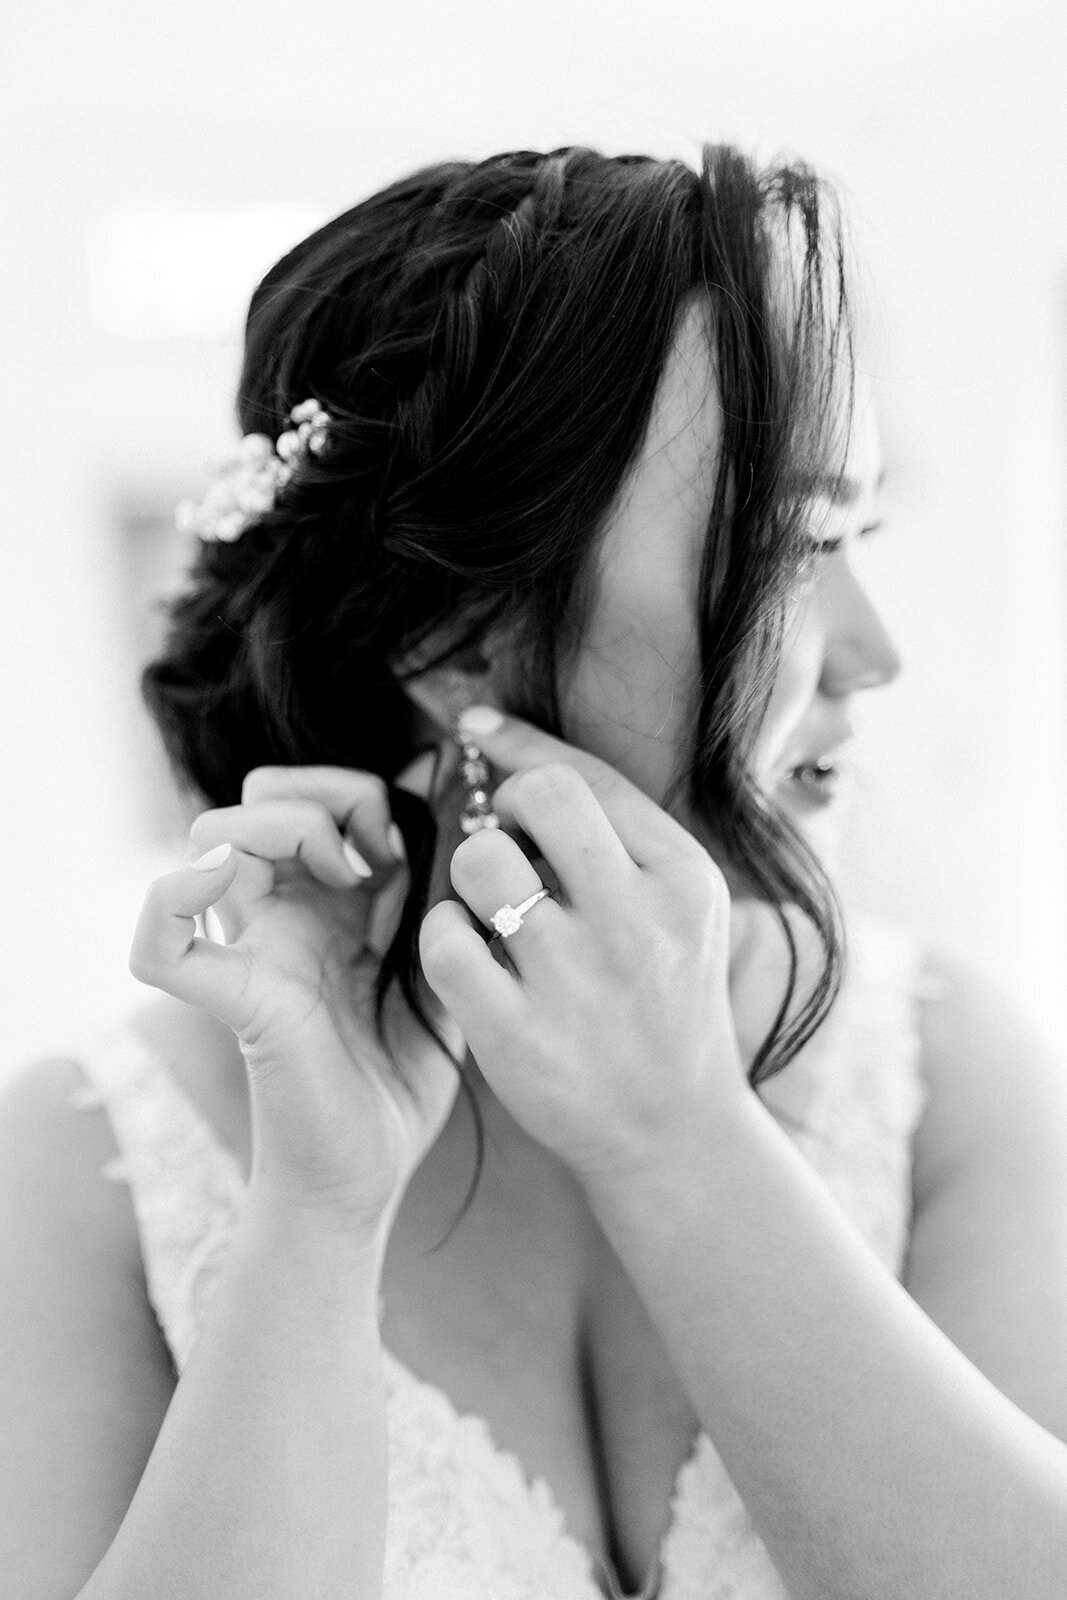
x: 536, y: 1189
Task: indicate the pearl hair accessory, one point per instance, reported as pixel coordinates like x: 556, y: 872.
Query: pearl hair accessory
x: 248, y: 482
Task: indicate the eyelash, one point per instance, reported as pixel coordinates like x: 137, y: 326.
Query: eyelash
x: 828, y: 546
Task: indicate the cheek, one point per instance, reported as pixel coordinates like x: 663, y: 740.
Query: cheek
x: 630, y: 696
x: 796, y: 683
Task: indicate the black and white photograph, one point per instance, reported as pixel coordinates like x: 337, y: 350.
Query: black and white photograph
x: 533, y: 781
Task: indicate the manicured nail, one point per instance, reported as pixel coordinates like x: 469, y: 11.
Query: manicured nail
x: 213, y: 858
x: 478, y: 721
x: 395, y: 840
x: 361, y: 868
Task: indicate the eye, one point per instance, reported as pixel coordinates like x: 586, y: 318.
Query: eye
x: 828, y: 546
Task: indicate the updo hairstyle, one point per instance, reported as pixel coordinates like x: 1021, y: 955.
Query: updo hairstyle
x: 487, y: 338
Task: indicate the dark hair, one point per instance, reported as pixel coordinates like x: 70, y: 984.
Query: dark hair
x: 487, y: 338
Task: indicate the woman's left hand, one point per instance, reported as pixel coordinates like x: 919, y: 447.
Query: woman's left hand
x: 610, y: 1028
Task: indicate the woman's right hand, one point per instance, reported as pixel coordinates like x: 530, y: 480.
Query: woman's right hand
x: 337, y: 1128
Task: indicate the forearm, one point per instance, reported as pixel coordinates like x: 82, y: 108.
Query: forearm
x: 874, y: 1458
x: 268, y: 1477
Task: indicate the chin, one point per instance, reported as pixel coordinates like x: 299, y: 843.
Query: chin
x: 816, y: 810
x: 819, y: 821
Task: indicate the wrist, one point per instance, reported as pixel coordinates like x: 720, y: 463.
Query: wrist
x: 674, y: 1158
x: 314, y: 1235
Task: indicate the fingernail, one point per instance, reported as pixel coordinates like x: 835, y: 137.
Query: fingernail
x: 213, y: 858
x: 361, y: 868
x: 395, y: 840
x: 477, y: 721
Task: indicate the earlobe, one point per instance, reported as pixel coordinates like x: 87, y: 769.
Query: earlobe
x: 443, y: 692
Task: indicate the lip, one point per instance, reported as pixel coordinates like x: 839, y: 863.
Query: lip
x: 816, y: 750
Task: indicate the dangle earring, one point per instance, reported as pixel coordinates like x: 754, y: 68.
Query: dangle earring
x: 444, y: 693
x: 478, y: 812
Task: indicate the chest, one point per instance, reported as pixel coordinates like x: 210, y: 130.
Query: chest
x: 520, y: 1314
x: 523, y: 1317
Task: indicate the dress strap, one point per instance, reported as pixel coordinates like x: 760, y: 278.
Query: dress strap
x: 186, y: 1188
x: 889, y: 984
x: 873, y: 1091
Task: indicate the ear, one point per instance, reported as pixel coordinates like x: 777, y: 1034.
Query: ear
x: 470, y: 677
x: 443, y: 692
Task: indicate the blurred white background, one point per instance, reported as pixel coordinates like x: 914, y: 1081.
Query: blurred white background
x: 155, y: 159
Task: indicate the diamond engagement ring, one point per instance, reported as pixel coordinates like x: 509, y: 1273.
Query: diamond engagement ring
x: 508, y: 919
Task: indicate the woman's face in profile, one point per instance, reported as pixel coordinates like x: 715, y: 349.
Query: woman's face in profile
x: 630, y: 697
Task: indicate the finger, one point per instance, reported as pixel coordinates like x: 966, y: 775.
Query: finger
x: 555, y: 806
x: 515, y: 746
x: 275, y: 831
x: 482, y: 997
x: 357, y: 801
x: 490, y: 872
x: 167, y: 953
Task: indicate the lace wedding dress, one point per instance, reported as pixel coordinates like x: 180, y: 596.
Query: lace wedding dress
x: 465, y: 1522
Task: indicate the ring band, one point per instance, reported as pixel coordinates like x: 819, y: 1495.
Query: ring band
x: 508, y: 919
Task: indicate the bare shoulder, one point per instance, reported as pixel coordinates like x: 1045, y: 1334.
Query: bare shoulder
x: 86, y: 1376
x: 987, y: 1255
x: 52, y: 1155
x: 997, y: 1088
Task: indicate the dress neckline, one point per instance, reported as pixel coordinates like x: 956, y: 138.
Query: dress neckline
x: 538, y: 1485
x: 230, y: 1169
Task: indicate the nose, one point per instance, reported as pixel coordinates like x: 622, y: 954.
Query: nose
x: 860, y: 651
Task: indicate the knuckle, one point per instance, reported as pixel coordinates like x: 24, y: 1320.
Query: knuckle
x: 478, y: 853
x: 311, y: 816
x: 260, y: 782
x: 372, y: 787
x: 631, y: 945
x: 159, y: 892
x: 204, y: 830
x: 552, y: 784
x: 143, y: 966
x: 441, y: 946
x: 699, y: 882
x: 289, y: 783
x: 709, y: 875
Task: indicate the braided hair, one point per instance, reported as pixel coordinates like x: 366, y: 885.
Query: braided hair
x: 487, y: 338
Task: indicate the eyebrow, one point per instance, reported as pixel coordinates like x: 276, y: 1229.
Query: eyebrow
x: 835, y: 487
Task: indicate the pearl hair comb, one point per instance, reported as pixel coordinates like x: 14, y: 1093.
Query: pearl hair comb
x: 247, y: 483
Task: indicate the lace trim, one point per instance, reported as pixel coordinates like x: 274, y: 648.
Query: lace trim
x: 464, y: 1519
x: 461, y: 1508
x: 868, y: 1110
x: 187, y: 1191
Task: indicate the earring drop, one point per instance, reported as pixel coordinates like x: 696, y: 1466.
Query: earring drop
x: 478, y: 811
